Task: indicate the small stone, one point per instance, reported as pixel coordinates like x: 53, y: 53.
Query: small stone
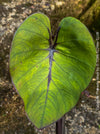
x: 3, y: 14
x: 3, y: 21
x: 94, y: 79
x: 23, y: 8
x: 0, y: 105
x: 81, y: 119
x: 82, y: 101
x: 29, y: 124
x: 11, y: 14
x: 6, y: 112
x: 84, y: 126
x: 75, y: 115
x: 14, y: 10
x: 59, y: 3
x: 10, y: 18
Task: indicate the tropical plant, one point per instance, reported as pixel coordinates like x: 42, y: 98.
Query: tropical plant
x: 50, y: 73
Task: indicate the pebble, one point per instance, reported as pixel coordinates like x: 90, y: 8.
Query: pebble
x: 81, y: 119
x: 52, y: 7
x: 3, y: 14
x: 13, y: 10
x: 59, y: 3
x: 29, y: 124
x: 3, y: 21
x: 10, y: 18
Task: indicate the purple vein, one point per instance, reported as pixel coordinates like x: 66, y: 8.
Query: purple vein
x: 49, y: 80
x: 49, y: 75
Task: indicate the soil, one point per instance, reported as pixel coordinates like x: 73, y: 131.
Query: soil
x: 85, y: 117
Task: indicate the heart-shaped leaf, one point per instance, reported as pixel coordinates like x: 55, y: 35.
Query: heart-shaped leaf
x: 50, y: 75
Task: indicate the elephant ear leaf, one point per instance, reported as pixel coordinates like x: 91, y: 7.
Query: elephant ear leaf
x: 50, y: 77
x: 77, y: 52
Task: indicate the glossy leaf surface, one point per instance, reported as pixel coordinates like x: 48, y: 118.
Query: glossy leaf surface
x: 51, y: 76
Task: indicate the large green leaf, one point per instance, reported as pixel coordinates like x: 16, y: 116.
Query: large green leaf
x: 50, y: 76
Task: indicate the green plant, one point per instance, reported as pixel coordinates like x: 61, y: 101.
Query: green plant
x: 99, y: 126
x: 50, y: 73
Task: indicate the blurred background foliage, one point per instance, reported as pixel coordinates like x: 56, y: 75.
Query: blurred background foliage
x: 88, y: 11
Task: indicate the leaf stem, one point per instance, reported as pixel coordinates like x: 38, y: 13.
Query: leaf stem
x: 55, y: 43
x: 60, y: 126
x: 50, y: 39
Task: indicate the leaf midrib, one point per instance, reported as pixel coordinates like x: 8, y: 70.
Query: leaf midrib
x: 51, y: 53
